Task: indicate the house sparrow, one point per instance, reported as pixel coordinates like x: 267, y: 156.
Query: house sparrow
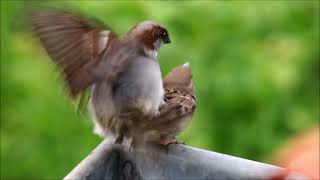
x: 177, y: 113
x: 122, y: 72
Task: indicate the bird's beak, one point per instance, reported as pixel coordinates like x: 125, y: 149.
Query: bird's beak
x: 166, y: 40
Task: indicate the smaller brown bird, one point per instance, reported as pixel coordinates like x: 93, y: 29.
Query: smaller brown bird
x: 176, y: 115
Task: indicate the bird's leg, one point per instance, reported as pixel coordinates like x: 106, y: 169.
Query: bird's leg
x: 132, y: 144
x: 119, y: 139
x: 128, y: 143
x: 168, y: 142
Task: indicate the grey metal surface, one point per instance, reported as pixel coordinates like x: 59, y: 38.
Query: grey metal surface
x: 109, y: 161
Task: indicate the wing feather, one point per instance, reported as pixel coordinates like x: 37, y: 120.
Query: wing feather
x: 74, y: 43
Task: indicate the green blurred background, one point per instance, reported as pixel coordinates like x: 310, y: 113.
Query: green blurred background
x: 255, y: 66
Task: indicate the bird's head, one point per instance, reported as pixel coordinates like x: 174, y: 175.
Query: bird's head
x: 180, y: 77
x: 152, y: 35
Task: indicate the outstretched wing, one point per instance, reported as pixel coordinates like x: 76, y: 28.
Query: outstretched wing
x: 74, y: 43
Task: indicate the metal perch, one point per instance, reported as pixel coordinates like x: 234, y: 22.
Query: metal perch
x: 109, y: 161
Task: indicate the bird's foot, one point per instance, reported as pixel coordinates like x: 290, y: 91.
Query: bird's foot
x: 173, y: 142
x: 168, y: 142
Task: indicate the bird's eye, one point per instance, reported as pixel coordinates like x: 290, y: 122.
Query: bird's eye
x: 166, y: 38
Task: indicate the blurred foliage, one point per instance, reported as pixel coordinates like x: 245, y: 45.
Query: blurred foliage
x: 255, y: 66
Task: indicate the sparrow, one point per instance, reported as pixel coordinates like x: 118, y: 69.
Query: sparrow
x: 123, y: 73
x: 177, y: 113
